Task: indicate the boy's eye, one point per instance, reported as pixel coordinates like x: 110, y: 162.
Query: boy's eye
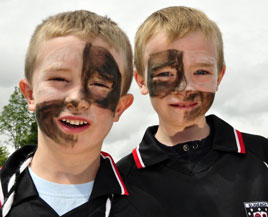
x: 101, y: 84
x: 164, y: 74
x: 97, y: 84
x: 59, y: 79
x: 201, y: 72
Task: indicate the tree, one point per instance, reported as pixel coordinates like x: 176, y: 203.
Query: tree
x: 17, y: 122
x: 3, y: 155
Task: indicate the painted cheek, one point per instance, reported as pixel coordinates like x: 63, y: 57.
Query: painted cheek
x: 46, y: 113
x: 171, y: 59
x: 205, y: 98
x: 99, y: 62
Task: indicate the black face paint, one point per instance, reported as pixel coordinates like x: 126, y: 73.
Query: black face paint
x: 206, y: 100
x: 99, y: 63
x: 157, y: 61
x: 46, y: 113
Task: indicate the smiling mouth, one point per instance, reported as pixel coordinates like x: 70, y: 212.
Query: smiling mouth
x: 184, y: 105
x: 74, y: 123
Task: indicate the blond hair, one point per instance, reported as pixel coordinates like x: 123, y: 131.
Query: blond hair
x: 84, y: 24
x: 176, y: 22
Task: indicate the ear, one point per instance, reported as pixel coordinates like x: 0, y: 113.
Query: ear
x: 27, y: 92
x: 141, y: 83
x: 221, y: 76
x: 124, y: 102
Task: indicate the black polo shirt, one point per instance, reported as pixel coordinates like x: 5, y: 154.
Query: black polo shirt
x: 107, y: 184
x: 230, y: 179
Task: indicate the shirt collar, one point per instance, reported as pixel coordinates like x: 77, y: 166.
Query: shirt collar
x: 225, y: 138
x: 107, y: 182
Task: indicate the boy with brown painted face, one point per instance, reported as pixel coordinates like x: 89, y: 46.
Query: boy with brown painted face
x: 78, y: 71
x: 192, y: 164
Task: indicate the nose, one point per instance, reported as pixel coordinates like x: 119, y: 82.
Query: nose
x: 184, y: 85
x: 181, y: 85
x: 75, y: 101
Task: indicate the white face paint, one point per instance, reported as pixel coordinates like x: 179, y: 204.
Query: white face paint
x: 200, y: 71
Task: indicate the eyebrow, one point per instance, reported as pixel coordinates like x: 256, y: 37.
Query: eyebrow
x: 103, y: 77
x: 203, y: 64
x: 57, y: 69
x: 155, y: 67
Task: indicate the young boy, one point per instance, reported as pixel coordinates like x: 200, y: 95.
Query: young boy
x: 192, y: 164
x: 78, y: 71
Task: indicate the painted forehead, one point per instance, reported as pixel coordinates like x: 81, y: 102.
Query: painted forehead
x: 164, y: 58
x: 199, y: 57
x: 189, y: 57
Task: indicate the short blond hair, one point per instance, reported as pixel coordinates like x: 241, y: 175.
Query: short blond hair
x: 176, y: 22
x: 84, y: 24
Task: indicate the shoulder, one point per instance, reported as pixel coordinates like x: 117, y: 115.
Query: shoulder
x: 256, y: 144
x: 125, y: 165
x: 137, y: 204
x: 257, y: 139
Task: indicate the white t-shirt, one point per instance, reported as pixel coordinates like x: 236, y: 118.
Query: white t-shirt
x: 62, y: 198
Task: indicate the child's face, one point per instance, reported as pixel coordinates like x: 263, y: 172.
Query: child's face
x: 181, y: 77
x: 76, y: 90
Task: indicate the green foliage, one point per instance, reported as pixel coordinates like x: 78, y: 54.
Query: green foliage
x: 3, y: 155
x: 17, y: 123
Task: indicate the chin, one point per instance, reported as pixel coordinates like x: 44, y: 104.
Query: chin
x: 187, y: 121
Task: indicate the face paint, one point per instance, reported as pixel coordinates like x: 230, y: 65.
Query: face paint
x: 101, y: 85
x: 172, y: 70
x: 46, y: 113
x: 201, y: 71
x: 206, y: 100
x: 101, y: 77
x: 165, y: 73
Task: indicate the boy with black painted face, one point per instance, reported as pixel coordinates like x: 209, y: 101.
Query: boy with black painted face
x: 193, y: 164
x: 78, y: 71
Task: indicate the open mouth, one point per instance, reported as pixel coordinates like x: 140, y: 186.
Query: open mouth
x: 73, y: 123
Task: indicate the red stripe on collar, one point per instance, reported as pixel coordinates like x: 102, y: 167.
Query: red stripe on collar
x: 137, y: 158
x: 1, y: 195
x: 239, y: 142
x: 116, y: 172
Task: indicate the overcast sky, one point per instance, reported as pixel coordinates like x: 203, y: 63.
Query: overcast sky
x: 242, y: 99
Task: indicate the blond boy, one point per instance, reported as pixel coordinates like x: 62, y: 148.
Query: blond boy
x: 192, y: 164
x: 78, y: 70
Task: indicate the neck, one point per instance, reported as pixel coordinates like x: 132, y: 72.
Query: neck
x: 55, y: 164
x: 173, y: 135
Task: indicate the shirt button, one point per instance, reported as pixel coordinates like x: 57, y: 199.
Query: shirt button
x: 195, y: 146
x: 186, y: 147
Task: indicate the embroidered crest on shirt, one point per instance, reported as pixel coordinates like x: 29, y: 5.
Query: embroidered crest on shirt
x: 256, y: 209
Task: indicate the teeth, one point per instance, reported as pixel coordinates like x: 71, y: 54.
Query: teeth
x: 75, y: 122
